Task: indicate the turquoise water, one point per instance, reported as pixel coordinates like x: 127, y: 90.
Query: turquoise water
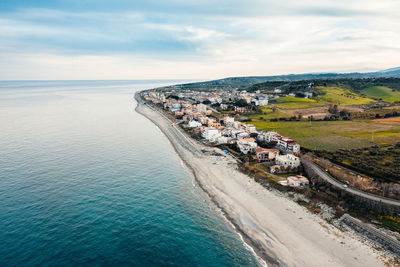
x: 85, y: 180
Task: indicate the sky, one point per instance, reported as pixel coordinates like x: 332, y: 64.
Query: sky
x: 186, y: 39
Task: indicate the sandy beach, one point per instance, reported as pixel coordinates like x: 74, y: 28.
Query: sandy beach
x: 281, y: 232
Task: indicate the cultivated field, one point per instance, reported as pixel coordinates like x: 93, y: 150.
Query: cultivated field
x: 289, y: 102
x: 333, y: 135
x: 382, y: 92
x: 392, y: 120
x: 341, y: 96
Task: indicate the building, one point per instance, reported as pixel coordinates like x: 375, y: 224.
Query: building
x: 237, y: 124
x: 175, y: 107
x: 263, y: 102
x: 203, y: 119
x: 250, y: 128
x: 201, y: 108
x: 288, y: 160
x: 242, y: 134
x: 223, y: 106
x: 222, y: 140
x: 214, y: 124
x: 297, y: 181
x: 211, y: 134
x: 308, y: 94
x: 241, y: 109
x: 194, y: 124
x: 247, y: 145
x: 228, y: 121
x: 266, y: 137
x: 266, y: 155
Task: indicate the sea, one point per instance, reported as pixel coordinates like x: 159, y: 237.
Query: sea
x: 87, y: 181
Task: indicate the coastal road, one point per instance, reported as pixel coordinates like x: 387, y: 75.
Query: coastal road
x: 328, y: 178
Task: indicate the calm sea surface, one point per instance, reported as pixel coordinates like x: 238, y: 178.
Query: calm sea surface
x: 85, y: 180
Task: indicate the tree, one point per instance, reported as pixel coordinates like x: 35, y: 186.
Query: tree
x: 173, y: 97
x: 333, y: 109
x: 299, y: 116
x: 241, y: 103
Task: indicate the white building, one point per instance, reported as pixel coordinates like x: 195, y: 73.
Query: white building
x: 288, y: 160
x: 203, y: 119
x: 242, y: 134
x: 201, y: 108
x: 263, y: 102
x: 175, y: 107
x: 194, y: 124
x: 264, y: 154
x: 266, y: 137
x: 222, y: 140
x: 229, y: 121
x: 297, y: 181
x: 251, y: 128
x: 288, y: 144
x: 223, y: 106
x: 308, y: 95
x: 247, y: 145
x: 211, y: 134
x: 237, y: 124
x: 295, y: 148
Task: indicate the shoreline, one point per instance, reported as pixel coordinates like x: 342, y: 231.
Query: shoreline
x: 245, y: 238
x: 280, y: 232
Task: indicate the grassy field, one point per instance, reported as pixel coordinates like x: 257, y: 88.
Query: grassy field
x: 333, y: 135
x: 267, y: 114
x: 290, y: 102
x: 341, y: 96
x: 335, y: 95
x: 382, y: 92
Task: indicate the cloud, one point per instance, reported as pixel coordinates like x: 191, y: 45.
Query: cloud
x: 196, y: 39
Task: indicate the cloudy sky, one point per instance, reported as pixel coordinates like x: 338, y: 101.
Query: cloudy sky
x: 202, y: 39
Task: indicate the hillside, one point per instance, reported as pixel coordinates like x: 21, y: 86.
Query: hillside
x: 339, y: 91
x: 243, y: 82
x: 382, y: 93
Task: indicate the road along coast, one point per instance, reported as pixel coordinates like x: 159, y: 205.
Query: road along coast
x: 281, y: 232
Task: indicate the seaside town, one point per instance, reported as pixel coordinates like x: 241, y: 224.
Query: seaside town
x: 219, y: 120
x: 197, y: 113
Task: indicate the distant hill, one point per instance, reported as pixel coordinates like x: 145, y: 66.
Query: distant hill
x: 381, y: 88
x: 242, y: 82
x: 391, y: 70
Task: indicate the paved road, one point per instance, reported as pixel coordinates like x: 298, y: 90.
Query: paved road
x: 325, y: 176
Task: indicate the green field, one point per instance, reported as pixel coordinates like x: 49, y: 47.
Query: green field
x: 333, y: 135
x: 334, y: 95
x: 267, y: 114
x: 382, y: 93
x: 290, y: 102
x: 341, y: 96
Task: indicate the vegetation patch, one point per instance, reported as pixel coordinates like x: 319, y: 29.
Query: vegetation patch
x: 290, y: 102
x: 268, y: 113
x: 333, y: 142
x: 381, y: 162
x: 382, y: 93
x: 341, y: 96
x: 333, y: 135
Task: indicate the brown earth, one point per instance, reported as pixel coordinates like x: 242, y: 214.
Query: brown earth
x: 392, y: 120
x: 319, y: 112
